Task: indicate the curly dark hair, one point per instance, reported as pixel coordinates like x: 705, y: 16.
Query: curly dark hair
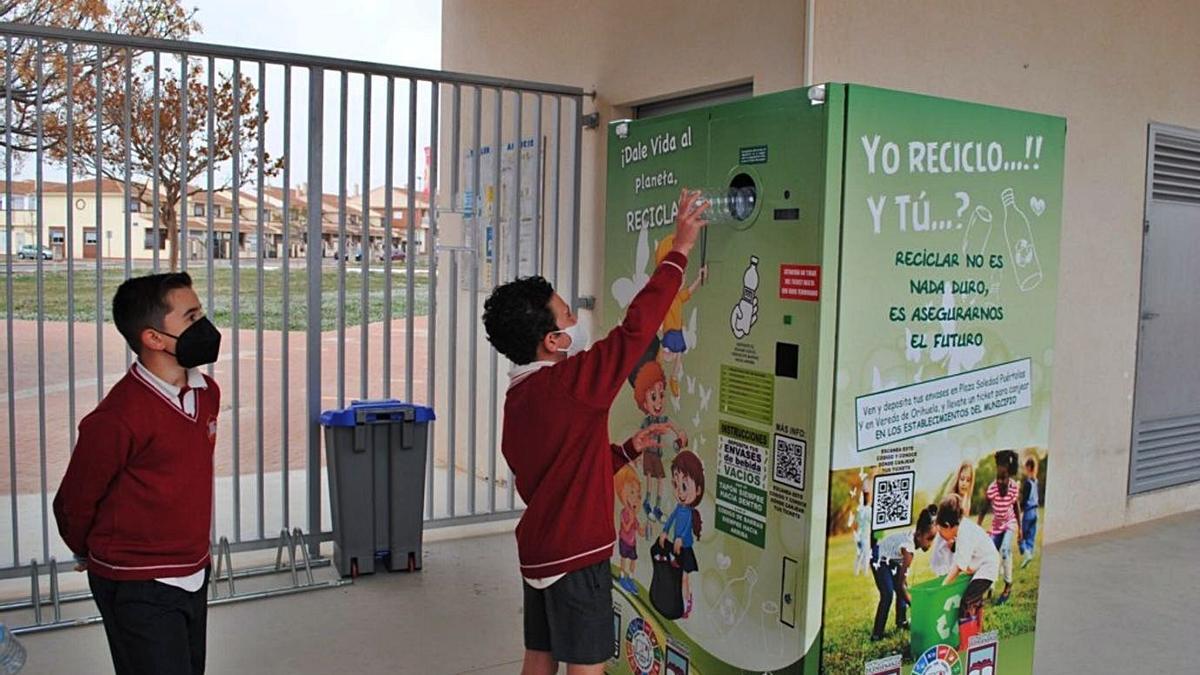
x: 1007, y: 459
x: 517, y: 316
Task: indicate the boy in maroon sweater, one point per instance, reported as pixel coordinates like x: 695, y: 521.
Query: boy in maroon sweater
x: 135, y: 504
x: 555, y: 440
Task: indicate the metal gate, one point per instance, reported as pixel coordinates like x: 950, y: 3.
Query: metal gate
x: 341, y: 221
x: 1166, y: 425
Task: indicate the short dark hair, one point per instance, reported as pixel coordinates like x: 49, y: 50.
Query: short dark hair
x: 950, y: 511
x: 517, y: 316
x: 141, y: 303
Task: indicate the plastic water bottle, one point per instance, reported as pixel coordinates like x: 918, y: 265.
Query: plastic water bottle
x: 729, y: 206
x: 12, y: 653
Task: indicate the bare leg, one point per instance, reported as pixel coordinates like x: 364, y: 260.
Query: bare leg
x: 539, y: 663
x: 673, y: 380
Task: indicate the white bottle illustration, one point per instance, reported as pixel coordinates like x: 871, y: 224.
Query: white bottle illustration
x: 1019, y: 235
x: 979, y: 232
x: 734, y: 601
x: 771, y: 628
x: 745, y: 312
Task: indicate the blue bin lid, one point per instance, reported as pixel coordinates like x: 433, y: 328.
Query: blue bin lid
x: 347, y: 417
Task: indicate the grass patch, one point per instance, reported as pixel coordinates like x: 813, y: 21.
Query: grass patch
x: 850, y: 603
x: 220, y: 310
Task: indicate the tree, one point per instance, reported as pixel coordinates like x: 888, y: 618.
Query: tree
x: 143, y: 18
x: 122, y: 85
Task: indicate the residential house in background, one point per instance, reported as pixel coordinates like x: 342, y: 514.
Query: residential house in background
x: 101, y: 232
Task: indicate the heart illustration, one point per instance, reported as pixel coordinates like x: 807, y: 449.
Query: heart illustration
x: 1038, y: 205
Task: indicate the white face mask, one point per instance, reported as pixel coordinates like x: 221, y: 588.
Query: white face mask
x: 580, y: 339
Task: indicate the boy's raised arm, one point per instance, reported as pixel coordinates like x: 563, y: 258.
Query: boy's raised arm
x: 595, y: 376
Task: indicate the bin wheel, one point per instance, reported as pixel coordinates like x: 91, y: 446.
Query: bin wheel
x: 354, y: 568
x: 412, y: 562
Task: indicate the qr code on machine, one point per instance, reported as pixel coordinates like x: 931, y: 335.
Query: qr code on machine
x: 789, y: 461
x: 893, y: 501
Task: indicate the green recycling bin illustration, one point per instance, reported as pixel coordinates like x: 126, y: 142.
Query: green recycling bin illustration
x: 856, y: 375
x: 935, y: 608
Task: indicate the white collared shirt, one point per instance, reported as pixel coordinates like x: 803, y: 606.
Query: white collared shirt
x: 188, y: 404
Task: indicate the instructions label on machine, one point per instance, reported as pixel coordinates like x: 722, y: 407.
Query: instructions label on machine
x: 741, y: 482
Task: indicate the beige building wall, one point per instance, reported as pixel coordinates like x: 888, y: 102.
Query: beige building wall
x: 112, y: 219
x: 1110, y: 67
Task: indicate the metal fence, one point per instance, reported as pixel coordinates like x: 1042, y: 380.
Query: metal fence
x: 124, y: 156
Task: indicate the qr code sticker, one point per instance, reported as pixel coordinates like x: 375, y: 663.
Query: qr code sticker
x: 893, y: 501
x: 789, y: 461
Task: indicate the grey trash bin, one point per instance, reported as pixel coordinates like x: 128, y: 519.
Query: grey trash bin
x: 375, y: 451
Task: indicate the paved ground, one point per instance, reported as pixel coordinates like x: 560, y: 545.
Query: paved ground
x: 1121, y: 602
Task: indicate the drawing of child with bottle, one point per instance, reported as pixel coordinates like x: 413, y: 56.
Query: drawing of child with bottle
x: 674, y: 345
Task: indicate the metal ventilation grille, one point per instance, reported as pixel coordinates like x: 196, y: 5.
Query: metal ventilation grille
x: 1176, y: 176
x: 1167, y: 453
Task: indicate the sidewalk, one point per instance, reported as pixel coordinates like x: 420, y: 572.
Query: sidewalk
x: 1114, y: 603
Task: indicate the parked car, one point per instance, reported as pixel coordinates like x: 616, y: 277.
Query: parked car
x: 30, y: 252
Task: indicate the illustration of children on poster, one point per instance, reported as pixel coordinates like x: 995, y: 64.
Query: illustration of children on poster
x: 674, y: 343
x: 629, y: 490
x: 684, y: 527
x: 649, y: 391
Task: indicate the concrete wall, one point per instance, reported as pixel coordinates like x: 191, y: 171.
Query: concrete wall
x: 1110, y: 67
x: 628, y: 53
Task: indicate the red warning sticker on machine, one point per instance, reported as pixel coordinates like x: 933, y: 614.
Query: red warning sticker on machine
x: 800, y: 282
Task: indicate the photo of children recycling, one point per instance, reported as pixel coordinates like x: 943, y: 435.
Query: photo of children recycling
x: 890, y: 560
x: 968, y: 526
x: 861, y: 524
x: 556, y: 443
x: 1002, y: 501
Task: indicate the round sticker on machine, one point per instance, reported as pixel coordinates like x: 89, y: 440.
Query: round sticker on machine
x: 642, y: 648
x: 938, y: 660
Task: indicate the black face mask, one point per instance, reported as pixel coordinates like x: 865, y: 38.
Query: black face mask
x: 199, y: 345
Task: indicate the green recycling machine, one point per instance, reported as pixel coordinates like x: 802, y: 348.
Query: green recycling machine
x: 865, y: 331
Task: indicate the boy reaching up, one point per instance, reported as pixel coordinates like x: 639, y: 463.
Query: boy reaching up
x: 555, y: 440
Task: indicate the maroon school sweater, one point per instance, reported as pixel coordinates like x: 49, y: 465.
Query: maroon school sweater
x: 137, y: 496
x: 555, y: 438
